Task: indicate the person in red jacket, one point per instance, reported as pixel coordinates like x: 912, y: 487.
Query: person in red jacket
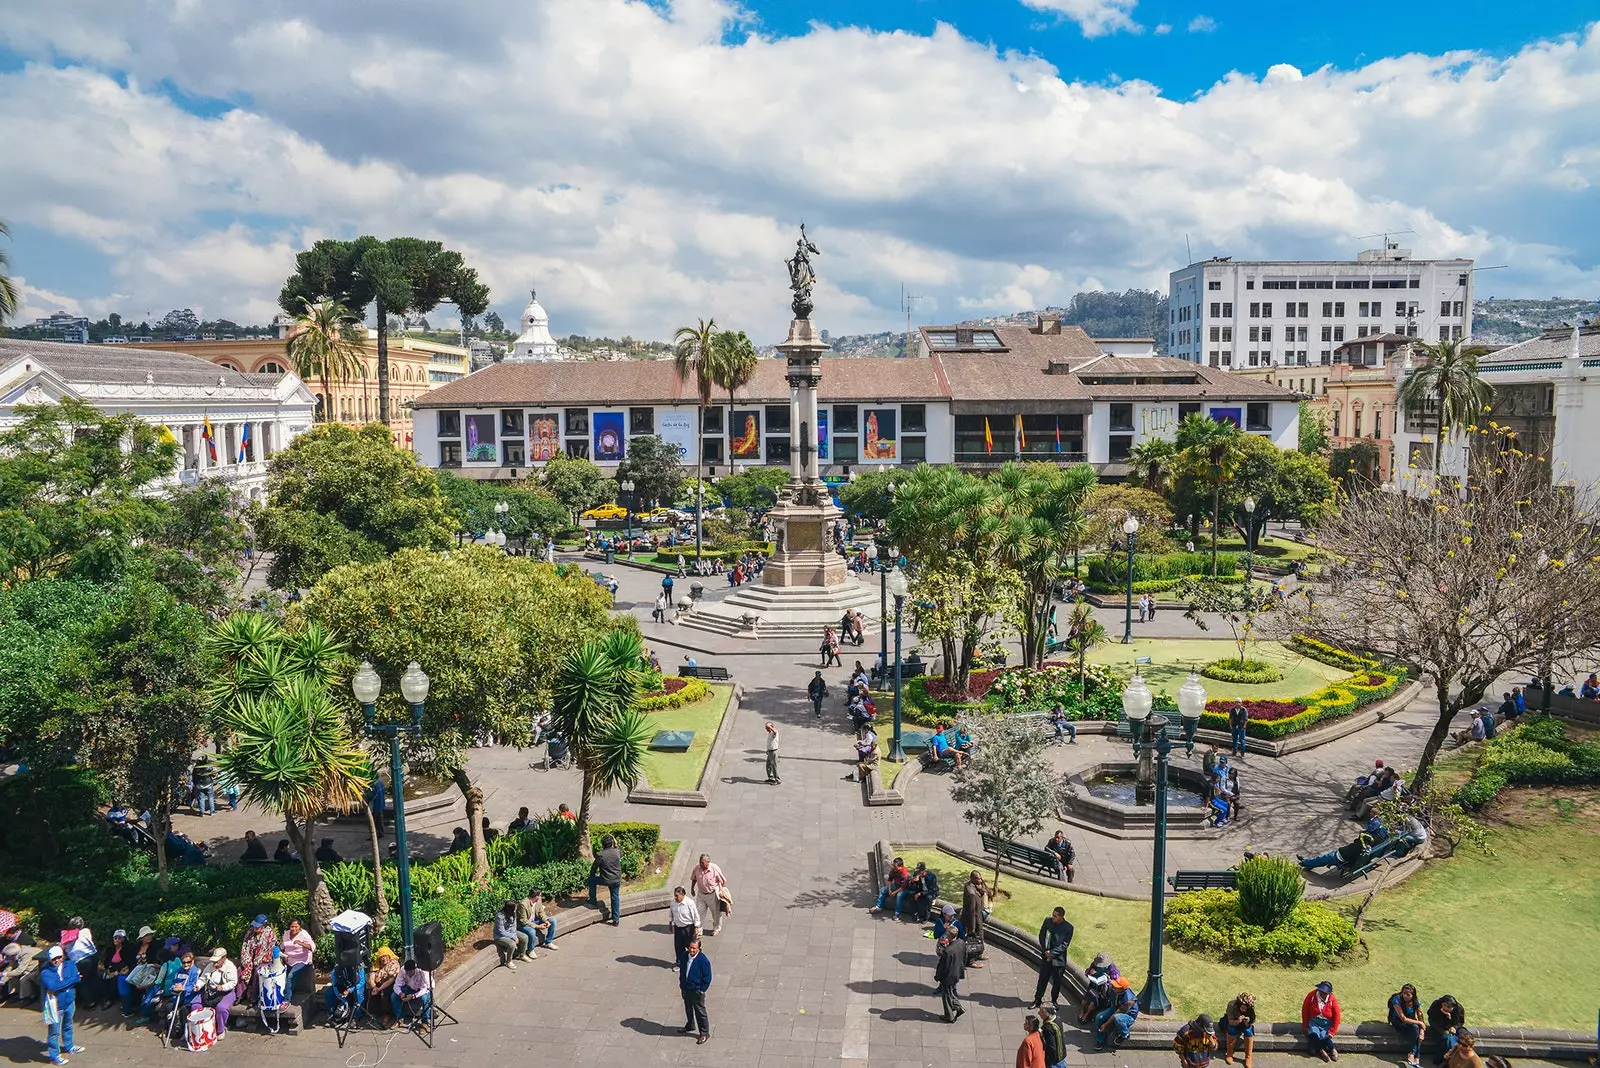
x: 1319, y: 1015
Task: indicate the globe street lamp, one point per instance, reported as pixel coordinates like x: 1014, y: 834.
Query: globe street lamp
x: 500, y: 510
x: 366, y: 685
x: 627, y: 495
x: 1150, y: 736
x: 1191, y: 705
x: 899, y: 587
x: 1130, y: 528
x: 1249, y: 541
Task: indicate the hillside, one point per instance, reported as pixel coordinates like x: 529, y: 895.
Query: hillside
x: 1504, y: 321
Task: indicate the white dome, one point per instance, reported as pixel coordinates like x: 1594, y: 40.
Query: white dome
x: 535, y: 343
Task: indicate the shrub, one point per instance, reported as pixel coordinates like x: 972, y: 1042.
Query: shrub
x: 676, y: 693
x: 1328, y: 654
x: 1270, y: 889
x: 455, y: 922
x: 641, y: 838
x: 1534, y: 752
x: 1113, y: 570
x: 1254, y: 672
x: 1208, y: 923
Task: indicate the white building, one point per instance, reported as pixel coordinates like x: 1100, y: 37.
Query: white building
x: 252, y: 416
x: 1238, y: 315
x: 1546, y: 400
x: 534, y: 344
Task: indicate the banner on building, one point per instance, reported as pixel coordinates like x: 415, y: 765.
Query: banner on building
x: 822, y: 435
x: 480, y: 438
x: 880, y: 440
x: 677, y: 430
x: 1228, y: 415
x: 544, y: 437
x: 609, y: 442
x: 744, y: 436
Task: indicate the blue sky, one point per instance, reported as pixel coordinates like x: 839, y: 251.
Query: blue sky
x: 645, y: 162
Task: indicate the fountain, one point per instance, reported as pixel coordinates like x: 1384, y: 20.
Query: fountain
x: 1116, y: 795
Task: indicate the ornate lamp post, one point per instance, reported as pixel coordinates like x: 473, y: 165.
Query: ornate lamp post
x: 897, y: 585
x: 1136, y: 703
x: 500, y: 510
x: 1130, y: 528
x: 626, y: 485
x: 366, y: 685
x: 1249, y: 541
x: 1191, y: 704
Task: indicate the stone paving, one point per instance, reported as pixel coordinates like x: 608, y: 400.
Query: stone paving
x: 803, y: 973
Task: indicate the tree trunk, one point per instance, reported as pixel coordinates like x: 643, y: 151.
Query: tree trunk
x: 1438, y: 436
x: 1471, y: 693
x: 320, y: 912
x: 947, y: 644
x: 381, y: 920
x: 699, y: 473
x: 995, y: 886
x: 383, y: 363
x: 480, y: 849
x: 1216, y: 517
x: 159, y: 821
x: 327, y: 393
x: 585, y: 849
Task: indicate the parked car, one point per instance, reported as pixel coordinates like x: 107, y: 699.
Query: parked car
x: 606, y: 511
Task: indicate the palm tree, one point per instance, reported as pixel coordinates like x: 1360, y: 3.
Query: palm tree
x: 1153, y: 465
x: 695, y: 353
x: 1084, y: 632
x: 1208, y: 451
x: 1449, y: 378
x: 734, y: 366
x: 596, y: 696
x: 8, y: 290
x: 1045, y: 521
x: 326, y: 344
x: 292, y: 751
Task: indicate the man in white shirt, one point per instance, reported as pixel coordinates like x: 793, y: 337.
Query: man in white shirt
x: 684, y: 917
x: 772, y: 755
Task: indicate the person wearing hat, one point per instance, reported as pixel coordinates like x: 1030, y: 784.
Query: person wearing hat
x: 219, y: 988
x: 116, y: 961
x: 1239, y: 1021
x: 1103, y: 979
x: 60, y: 979
x: 1319, y: 1015
x: 1195, y: 1042
x: 255, y: 953
x: 380, y: 981
x: 347, y: 988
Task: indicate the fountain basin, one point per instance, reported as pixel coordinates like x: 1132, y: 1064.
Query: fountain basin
x: 1105, y: 794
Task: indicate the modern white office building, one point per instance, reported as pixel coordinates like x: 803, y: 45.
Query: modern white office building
x: 1236, y: 315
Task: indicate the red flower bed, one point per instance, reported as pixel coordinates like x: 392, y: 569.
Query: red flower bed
x: 669, y: 685
x: 978, y: 684
x: 1259, y: 710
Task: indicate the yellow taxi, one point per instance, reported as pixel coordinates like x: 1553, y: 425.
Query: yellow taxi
x: 606, y: 511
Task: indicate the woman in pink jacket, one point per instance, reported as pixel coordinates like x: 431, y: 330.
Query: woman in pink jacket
x: 1319, y: 1015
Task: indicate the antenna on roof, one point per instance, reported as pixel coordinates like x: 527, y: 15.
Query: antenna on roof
x: 1187, y: 251
x: 906, y: 300
x: 1385, y: 235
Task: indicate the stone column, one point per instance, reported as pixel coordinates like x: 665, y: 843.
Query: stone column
x: 796, y: 458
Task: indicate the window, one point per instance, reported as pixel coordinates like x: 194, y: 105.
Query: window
x: 845, y: 419
x: 1121, y: 446
x: 511, y: 422
x: 1216, y: 309
x: 1400, y: 308
x: 449, y: 424
x: 1255, y: 310
x: 1455, y: 333
x: 1122, y: 417
x: 1227, y: 309
x: 578, y: 448
x: 1227, y: 333
x: 1255, y: 333
x: 778, y: 451
x: 711, y: 448
x: 1456, y: 309
x: 845, y: 450
x: 1186, y: 409
x: 449, y: 454
x: 778, y: 423
x: 712, y: 422
x: 1216, y: 333
x: 1361, y: 331
x: 1327, y: 309
x: 1355, y: 422
x: 1416, y: 283
x: 641, y: 421
x: 913, y: 450
x: 1288, y: 309
x: 1338, y: 309
x: 1327, y: 357
x: 1336, y: 422
x: 1249, y: 283
x: 1300, y: 334
x: 514, y: 453
x: 578, y: 423
x: 1361, y: 309
x: 1338, y: 333
x: 914, y: 418
x: 1327, y: 333
x: 1266, y: 309
x: 1266, y: 333
x: 1213, y: 287
x: 1377, y: 423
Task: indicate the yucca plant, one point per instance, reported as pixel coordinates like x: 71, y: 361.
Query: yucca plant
x: 1270, y: 889
x: 596, y: 698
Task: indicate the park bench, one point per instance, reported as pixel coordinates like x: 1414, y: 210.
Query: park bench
x: 1204, y: 880
x: 1023, y: 856
x: 1389, y: 847
x: 882, y: 676
x: 1054, y: 645
x: 706, y: 671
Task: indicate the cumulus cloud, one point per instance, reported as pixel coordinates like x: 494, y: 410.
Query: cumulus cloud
x: 645, y: 164
x: 1095, y: 17
x: 1202, y: 24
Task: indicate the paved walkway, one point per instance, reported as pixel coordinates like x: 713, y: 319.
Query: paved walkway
x: 804, y: 974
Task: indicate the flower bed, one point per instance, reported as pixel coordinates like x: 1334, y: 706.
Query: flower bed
x: 675, y: 692
x: 1208, y: 922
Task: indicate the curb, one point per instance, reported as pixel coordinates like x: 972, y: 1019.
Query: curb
x: 700, y: 797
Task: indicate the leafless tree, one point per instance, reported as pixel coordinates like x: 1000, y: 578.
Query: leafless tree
x: 1467, y: 583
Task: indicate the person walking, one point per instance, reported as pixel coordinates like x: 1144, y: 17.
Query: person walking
x: 709, y: 887
x: 59, y: 977
x: 205, y: 787
x: 772, y: 755
x: 659, y: 614
x: 817, y: 689
x: 950, y: 969
x: 1238, y: 722
x: 1031, y: 1053
x: 974, y: 909
x: 684, y: 918
x: 606, y: 869
x: 1055, y: 937
x: 694, y: 979
x: 378, y: 801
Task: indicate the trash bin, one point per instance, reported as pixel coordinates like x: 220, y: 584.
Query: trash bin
x: 696, y: 590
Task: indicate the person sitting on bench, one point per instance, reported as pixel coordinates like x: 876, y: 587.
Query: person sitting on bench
x: 1347, y: 855
x: 923, y: 888
x: 1447, y: 1021
x: 1064, y: 727
x: 939, y: 745
x: 1065, y: 855
x: 895, y: 884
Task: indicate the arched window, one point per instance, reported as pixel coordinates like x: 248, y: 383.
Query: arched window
x: 363, y: 408
x: 272, y: 367
x: 320, y: 412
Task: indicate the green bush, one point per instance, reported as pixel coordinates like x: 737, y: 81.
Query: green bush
x: 1330, y: 655
x: 1534, y: 752
x: 641, y: 838
x: 1208, y: 923
x: 455, y: 922
x: 695, y: 690
x: 1270, y: 889
x: 1254, y: 672
x: 1113, y: 570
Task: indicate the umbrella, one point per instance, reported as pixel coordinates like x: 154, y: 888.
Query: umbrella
x: 8, y: 920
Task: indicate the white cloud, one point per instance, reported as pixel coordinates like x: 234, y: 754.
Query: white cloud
x: 1095, y: 17
x: 641, y: 170
x: 1163, y: 28
x: 1202, y: 24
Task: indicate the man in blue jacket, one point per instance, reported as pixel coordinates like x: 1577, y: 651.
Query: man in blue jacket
x: 694, y: 980
x: 60, y: 979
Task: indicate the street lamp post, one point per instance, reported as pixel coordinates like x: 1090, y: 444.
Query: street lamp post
x: 1191, y: 705
x: 896, y: 583
x: 366, y: 686
x: 1249, y: 541
x: 626, y: 486
x: 1136, y: 704
x: 1130, y: 528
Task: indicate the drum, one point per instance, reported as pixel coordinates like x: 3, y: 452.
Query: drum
x: 201, y: 1029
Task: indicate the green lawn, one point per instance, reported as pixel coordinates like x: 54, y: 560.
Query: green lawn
x: 666, y: 852
x: 887, y: 769
x: 1461, y: 926
x: 681, y: 771
x: 1173, y: 658
x: 1270, y: 550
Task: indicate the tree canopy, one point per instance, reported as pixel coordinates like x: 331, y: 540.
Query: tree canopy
x: 1284, y: 483
x: 578, y: 483
x: 653, y: 467
x: 530, y: 509
x: 869, y: 495
x: 754, y: 487
x: 340, y: 495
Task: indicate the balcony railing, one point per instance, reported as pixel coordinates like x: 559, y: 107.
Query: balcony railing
x: 999, y: 457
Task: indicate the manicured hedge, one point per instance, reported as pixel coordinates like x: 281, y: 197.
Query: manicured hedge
x: 674, y: 695
x: 1113, y: 570
x: 1535, y: 752
x: 1208, y: 922
x: 669, y: 556
x: 1253, y: 672
x: 1157, y: 585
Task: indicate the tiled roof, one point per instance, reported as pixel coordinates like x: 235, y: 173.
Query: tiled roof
x: 1551, y: 345
x: 124, y: 365
x: 1003, y: 376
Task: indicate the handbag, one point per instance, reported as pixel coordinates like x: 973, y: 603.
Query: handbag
x: 144, y: 976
